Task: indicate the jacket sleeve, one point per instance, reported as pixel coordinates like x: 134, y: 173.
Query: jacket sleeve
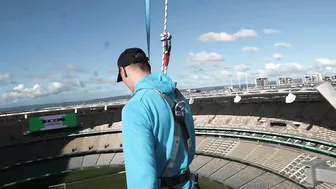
x: 138, y: 147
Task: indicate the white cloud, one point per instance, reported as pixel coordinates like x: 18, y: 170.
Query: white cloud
x: 226, y: 73
x: 285, y: 69
x: 325, y: 62
x: 4, y: 76
x: 270, y: 31
x: 250, y: 49
x: 205, y: 56
x: 216, y: 37
x: 96, y: 77
x: 6, y: 79
x: 328, y: 68
x: 277, y: 56
x: 71, y: 67
x: 58, y: 87
x: 245, y: 33
x: 224, y: 37
x: 282, y: 45
x: 20, y: 92
x: 241, y: 68
x: 326, y: 65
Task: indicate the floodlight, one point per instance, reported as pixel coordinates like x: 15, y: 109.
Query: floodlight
x: 237, y: 99
x: 75, y: 110
x: 105, y: 107
x: 191, y: 100
x: 290, y: 98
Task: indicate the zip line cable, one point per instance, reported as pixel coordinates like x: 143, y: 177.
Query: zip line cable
x: 147, y: 17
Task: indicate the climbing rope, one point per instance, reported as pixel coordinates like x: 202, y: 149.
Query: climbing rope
x: 166, y: 42
x: 165, y: 36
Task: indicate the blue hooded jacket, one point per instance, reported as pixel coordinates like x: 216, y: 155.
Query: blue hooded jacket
x: 148, y: 132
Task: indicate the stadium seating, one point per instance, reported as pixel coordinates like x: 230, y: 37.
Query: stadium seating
x: 238, y: 175
x: 303, y: 116
x: 236, y: 162
x: 278, y: 159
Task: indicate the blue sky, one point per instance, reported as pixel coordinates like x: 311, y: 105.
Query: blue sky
x: 54, y: 51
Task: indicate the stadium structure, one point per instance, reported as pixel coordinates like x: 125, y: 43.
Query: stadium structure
x: 251, y: 140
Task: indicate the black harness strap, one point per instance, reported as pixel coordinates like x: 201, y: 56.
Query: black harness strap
x: 168, y: 182
x: 178, y: 110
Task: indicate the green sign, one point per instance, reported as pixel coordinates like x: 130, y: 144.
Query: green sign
x: 52, y: 122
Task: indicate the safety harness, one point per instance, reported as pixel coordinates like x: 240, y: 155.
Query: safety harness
x: 170, y: 181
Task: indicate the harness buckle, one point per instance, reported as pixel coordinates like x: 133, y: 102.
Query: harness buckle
x: 189, y: 143
x: 194, y: 178
x: 180, y: 110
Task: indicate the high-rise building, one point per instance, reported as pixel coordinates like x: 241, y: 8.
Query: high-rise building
x: 315, y: 78
x: 285, y: 81
x: 326, y: 78
x: 333, y: 78
x: 261, y: 82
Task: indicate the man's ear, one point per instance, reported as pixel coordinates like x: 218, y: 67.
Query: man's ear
x: 123, y: 72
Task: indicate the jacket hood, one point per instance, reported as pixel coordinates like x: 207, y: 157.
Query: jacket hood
x: 158, y: 81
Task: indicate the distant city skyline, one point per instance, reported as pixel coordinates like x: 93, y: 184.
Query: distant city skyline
x: 52, y: 51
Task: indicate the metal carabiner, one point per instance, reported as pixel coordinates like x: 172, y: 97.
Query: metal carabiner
x: 180, y: 110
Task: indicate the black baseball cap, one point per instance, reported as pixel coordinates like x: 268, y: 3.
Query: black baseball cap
x: 131, y: 56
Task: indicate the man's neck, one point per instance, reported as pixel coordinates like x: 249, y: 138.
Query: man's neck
x: 138, y: 77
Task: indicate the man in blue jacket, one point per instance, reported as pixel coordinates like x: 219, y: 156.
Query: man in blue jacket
x: 155, y: 123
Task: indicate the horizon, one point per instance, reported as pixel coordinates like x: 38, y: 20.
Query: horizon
x: 73, y: 102
x: 52, y: 52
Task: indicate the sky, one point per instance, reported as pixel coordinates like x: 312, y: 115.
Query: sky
x: 55, y: 51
